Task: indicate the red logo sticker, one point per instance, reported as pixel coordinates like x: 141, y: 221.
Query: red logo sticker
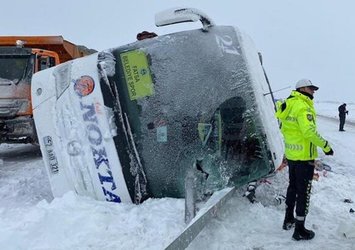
x: 84, y: 86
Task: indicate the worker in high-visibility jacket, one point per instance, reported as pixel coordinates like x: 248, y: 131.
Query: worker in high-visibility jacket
x: 298, y: 118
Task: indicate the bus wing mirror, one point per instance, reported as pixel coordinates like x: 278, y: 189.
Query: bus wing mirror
x: 181, y: 15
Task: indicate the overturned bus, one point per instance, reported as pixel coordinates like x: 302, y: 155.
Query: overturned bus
x: 131, y: 122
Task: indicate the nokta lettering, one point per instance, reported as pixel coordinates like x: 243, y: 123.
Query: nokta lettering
x: 102, y: 163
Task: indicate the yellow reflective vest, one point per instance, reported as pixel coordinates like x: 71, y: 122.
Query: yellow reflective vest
x: 299, y: 129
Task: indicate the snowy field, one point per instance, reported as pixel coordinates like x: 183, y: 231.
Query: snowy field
x: 30, y: 219
x: 330, y: 109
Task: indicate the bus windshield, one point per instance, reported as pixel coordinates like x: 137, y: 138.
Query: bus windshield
x: 188, y: 100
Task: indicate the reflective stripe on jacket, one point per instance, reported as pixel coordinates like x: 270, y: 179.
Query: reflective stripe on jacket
x: 299, y: 129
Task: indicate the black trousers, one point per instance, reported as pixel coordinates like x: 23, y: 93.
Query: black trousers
x: 300, y: 184
x: 342, y: 122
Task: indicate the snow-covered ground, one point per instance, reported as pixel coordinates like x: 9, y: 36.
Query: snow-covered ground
x: 330, y: 109
x: 31, y: 219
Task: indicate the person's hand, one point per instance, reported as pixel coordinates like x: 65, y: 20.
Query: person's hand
x: 330, y: 152
x: 327, y: 149
x: 347, y: 112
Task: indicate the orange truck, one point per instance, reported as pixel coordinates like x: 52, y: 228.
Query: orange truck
x: 20, y: 58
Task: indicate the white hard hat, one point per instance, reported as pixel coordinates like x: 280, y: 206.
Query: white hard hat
x: 305, y: 83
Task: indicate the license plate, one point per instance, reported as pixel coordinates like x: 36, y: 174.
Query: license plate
x: 52, y: 159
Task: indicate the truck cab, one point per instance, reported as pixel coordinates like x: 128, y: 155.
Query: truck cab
x: 20, y: 58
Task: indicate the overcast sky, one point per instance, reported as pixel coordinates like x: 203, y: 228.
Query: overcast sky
x: 312, y: 39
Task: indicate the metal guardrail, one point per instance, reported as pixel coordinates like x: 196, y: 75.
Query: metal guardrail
x: 202, y: 218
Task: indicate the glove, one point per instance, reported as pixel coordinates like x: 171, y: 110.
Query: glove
x: 331, y: 152
x: 327, y: 149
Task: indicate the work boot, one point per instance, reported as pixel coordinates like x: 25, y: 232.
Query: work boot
x: 289, y: 220
x: 301, y: 233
